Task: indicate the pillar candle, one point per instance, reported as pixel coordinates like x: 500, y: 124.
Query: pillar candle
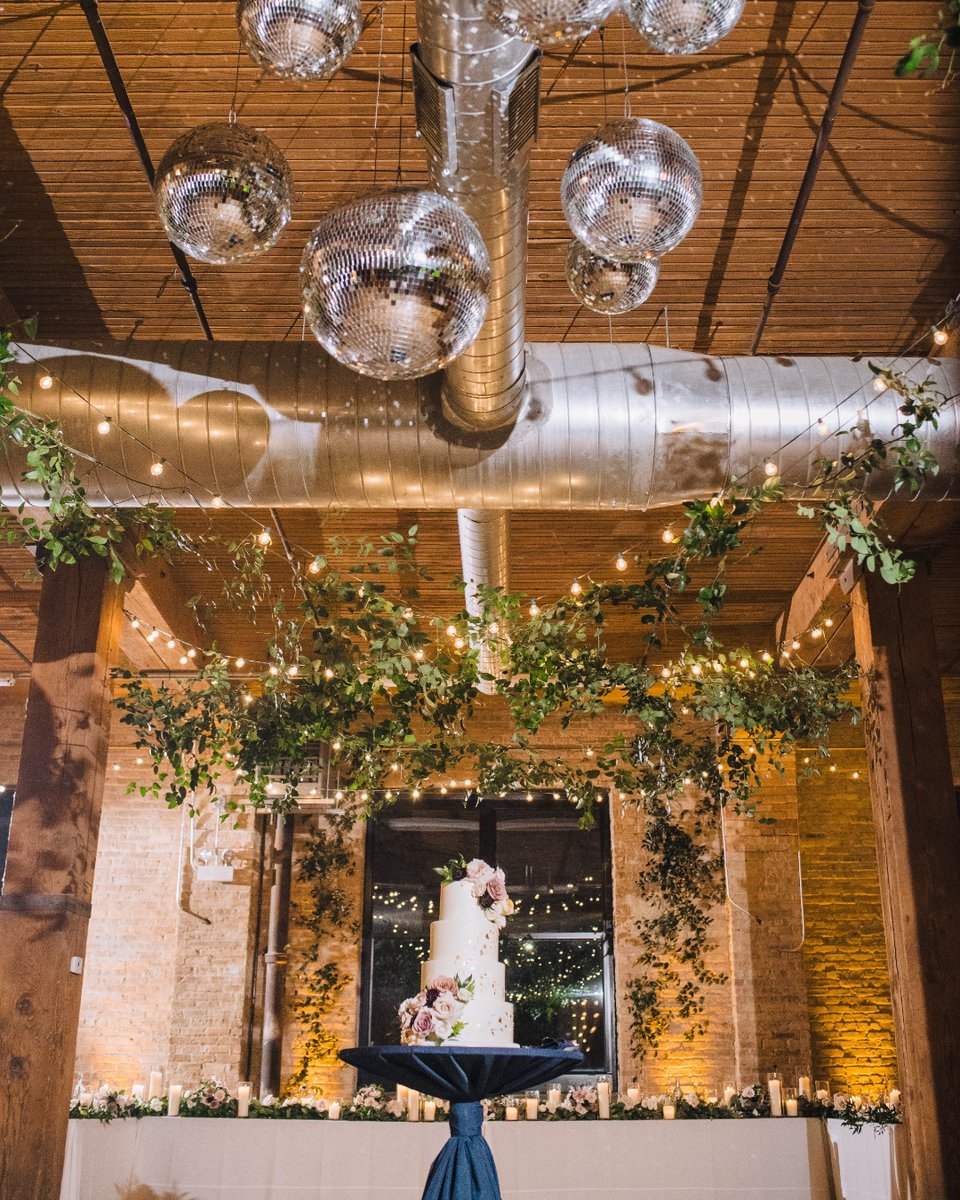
x: 669, y: 1112
x: 793, y: 1107
x: 633, y: 1094
x: 511, y: 1112
x: 776, y: 1097
x: 728, y: 1094
x: 429, y: 1110
x: 603, y: 1099
x: 137, y: 1091
x: 553, y: 1099
x: 156, y: 1084
x: 803, y: 1087
x: 243, y: 1100
x: 333, y: 1112
x: 894, y: 1097
x: 173, y: 1099
x: 402, y: 1095
x: 413, y: 1105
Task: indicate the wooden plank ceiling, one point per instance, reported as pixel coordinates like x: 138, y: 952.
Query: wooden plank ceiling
x: 874, y: 264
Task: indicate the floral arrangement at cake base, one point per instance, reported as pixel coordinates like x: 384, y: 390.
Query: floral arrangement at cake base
x: 432, y: 1016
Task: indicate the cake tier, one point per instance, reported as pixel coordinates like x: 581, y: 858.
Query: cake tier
x: 457, y: 900
x: 487, y: 974
x: 464, y: 938
x: 487, y: 1022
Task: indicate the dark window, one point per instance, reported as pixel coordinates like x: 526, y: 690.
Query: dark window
x: 6, y: 811
x: 556, y: 948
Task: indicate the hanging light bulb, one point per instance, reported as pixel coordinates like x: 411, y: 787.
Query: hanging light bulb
x: 240, y: 663
x: 828, y: 621
x: 418, y: 655
x: 328, y: 673
x: 816, y: 632
x: 880, y: 384
x: 191, y: 653
x: 576, y: 587
x: 451, y: 631
x: 767, y: 656
x: 314, y: 567
x: 171, y: 643
x: 744, y: 663
x: 156, y: 468
x: 153, y: 635
x: 183, y: 660
x: 534, y: 609
x: 621, y: 563
x: 248, y: 698
x: 770, y: 469
x: 264, y: 537
x: 459, y: 643
x: 274, y: 670
x: 294, y: 670
x: 337, y: 745
x: 135, y: 623
x: 822, y: 427
x: 668, y: 536
x: 104, y: 426
x: 46, y: 382
x: 941, y: 337
x: 795, y: 644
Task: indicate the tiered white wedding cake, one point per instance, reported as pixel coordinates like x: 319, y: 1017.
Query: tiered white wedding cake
x: 462, y: 983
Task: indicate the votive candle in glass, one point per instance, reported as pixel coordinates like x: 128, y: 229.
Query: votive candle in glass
x: 729, y: 1091
x: 775, y: 1092
x: 429, y: 1110
x: 821, y: 1089
x: 532, y: 1105
x: 553, y: 1099
x: 669, y: 1112
x: 333, y: 1112
x: 790, y: 1102
x: 803, y: 1087
x: 511, y: 1112
x: 894, y: 1098
x: 155, y: 1086
x: 174, y: 1096
x: 633, y: 1093
x: 138, y: 1091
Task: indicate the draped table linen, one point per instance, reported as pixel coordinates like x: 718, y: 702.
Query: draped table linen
x: 465, y: 1075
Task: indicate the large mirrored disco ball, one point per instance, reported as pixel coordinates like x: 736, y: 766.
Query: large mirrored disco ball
x: 609, y: 287
x: 223, y: 192
x: 396, y: 284
x: 631, y: 191
x: 684, y: 26
x: 548, y: 21
x: 299, y: 39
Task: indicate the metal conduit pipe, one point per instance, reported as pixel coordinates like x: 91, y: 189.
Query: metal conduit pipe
x: 484, y: 557
x: 622, y: 427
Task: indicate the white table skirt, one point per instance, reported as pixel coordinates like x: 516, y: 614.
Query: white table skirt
x: 162, y: 1159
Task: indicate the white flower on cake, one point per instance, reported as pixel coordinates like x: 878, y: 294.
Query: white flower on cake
x: 433, y: 1014
x: 489, y: 886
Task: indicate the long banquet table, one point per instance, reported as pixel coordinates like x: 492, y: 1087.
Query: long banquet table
x: 158, y: 1158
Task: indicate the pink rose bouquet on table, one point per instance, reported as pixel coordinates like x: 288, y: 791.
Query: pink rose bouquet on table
x: 433, y: 1015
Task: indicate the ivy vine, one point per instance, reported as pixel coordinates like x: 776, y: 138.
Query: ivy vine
x: 924, y: 55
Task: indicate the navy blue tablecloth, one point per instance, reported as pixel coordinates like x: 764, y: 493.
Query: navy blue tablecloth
x: 464, y: 1075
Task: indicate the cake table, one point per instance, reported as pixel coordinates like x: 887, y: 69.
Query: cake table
x: 464, y: 1075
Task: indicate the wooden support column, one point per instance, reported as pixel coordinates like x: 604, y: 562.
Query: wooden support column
x: 918, y: 847
x: 45, y: 901
x: 275, y: 958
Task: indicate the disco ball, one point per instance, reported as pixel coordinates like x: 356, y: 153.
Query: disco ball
x: 609, y: 287
x: 395, y: 284
x: 547, y: 21
x: 684, y: 26
x: 299, y: 39
x: 631, y: 191
x: 223, y: 193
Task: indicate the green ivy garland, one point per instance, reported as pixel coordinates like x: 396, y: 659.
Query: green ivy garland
x: 923, y: 56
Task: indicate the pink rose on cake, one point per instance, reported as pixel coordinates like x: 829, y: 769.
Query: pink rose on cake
x: 445, y: 1007
x: 434, y: 1015
x: 423, y: 1023
x: 497, y: 886
x: 479, y: 873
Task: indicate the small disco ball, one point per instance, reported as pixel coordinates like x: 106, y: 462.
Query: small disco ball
x: 299, y: 39
x: 223, y: 193
x: 684, y: 26
x: 631, y: 191
x: 396, y: 284
x: 548, y: 21
x: 609, y: 287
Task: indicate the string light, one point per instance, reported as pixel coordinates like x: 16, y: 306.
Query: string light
x: 459, y: 643
x: 294, y: 670
x: 183, y: 660
x: 153, y: 635
x: 248, y: 698
x: 328, y: 673
x: 46, y: 382
x: 621, y: 563
x: 314, y: 567
x: 104, y: 426
x: 822, y: 427
x: 668, y: 536
x: 828, y: 621
x: 767, y: 656
x: 880, y: 385
x: 744, y: 663
x: 191, y: 653
x: 171, y: 643
x: 770, y: 468
x: 337, y: 745
x: 265, y: 537
x: 156, y: 468
x: 240, y: 663
x: 217, y: 502
x: 576, y: 587
x: 135, y: 623
x: 451, y: 631
x: 941, y: 337
x: 534, y: 609
x: 816, y: 632
x: 273, y: 669
x: 418, y: 655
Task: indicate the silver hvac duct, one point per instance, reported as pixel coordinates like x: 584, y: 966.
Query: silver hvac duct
x: 477, y: 95
x: 622, y: 427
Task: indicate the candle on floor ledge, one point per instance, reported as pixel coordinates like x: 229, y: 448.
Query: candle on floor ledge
x: 553, y: 1099
x: 803, y: 1087
x: 532, y: 1103
x: 512, y: 1113
x: 603, y: 1098
x: 776, y: 1097
x: 669, y: 1112
x: 174, y: 1096
x: 729, y: 1091
x: 333, y: 1112
x: 429, y: 1110
x: 402, y: 1093
x: 793, y: 1107
x: 894, y: 1098
x: 633, y: 1094
x: 243, y: 1099
x: 413, y: 1105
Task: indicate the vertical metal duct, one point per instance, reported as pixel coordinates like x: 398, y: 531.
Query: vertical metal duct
x: 477, y: 95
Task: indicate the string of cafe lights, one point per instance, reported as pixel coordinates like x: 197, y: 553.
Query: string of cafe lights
x: 264, y: 536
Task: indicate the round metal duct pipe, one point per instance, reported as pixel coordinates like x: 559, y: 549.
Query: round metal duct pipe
x: 602, y: 426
